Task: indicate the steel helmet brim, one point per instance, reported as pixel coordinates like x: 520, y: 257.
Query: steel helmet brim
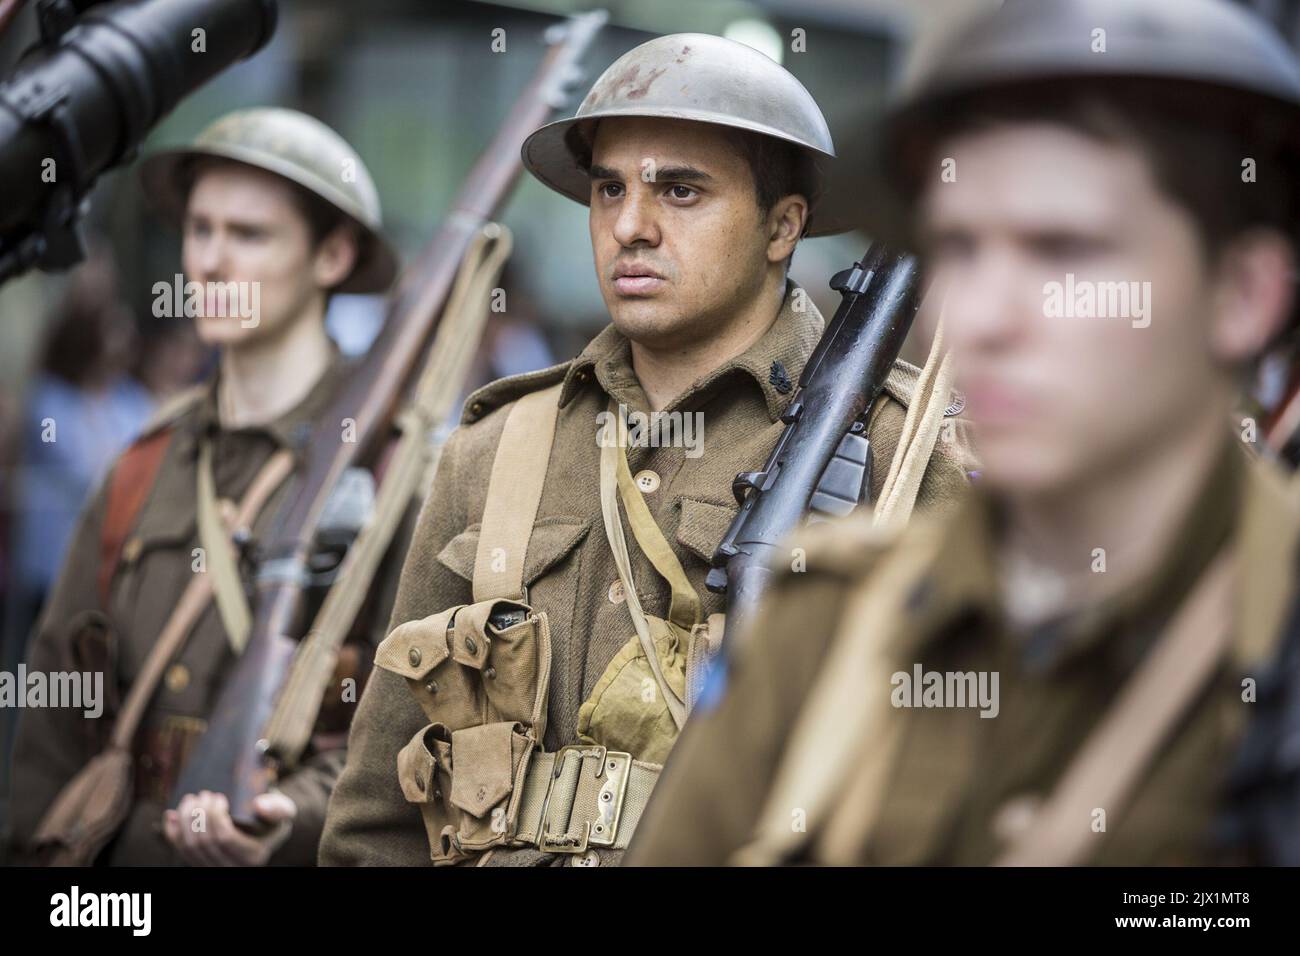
x: 697, y: 78
x: 1208, y: 60
x: 162, y: 178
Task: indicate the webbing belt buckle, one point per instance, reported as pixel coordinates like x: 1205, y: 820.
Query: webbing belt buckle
x: 615, y: 767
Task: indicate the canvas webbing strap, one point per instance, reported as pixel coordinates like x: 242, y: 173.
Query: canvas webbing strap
x: 845, y: 730
x: 128, y: 488
x: 684, y: 609
x: 514, y: 494
x: 1106, y: 768
x: 921, y: 428
x: 219, y: 557
x: 193, y: 600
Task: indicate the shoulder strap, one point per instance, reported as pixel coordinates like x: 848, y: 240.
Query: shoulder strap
x: 514, y: 494
x: 192, y: 603
x: 684, y: 607
x: 1103, y: 772
x: 222, y: 562
x: 129, y: 485
x: 660, y: 554
x: 132, y: 479
x: 843, y: 737
x: 921, y: 427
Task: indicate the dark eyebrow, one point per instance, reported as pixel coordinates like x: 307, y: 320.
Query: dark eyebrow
x: 675, y: 174
x: 682, y: 174
x: 604, y: 172
x: 258, y: 225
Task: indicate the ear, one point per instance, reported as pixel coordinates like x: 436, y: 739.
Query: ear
x: 1254, y: 294
x: 335, y: 256
x: 785, y: 225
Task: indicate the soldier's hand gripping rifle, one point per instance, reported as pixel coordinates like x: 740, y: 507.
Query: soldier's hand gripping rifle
x: 821, y: 465
x: 236, y: 756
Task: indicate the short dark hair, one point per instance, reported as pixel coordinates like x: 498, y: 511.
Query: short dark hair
x: 780, y: 168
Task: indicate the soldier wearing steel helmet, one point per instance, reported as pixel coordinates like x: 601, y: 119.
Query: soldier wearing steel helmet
x: 543, y: 652
x: 1086, y: 662
x: 276, y: 212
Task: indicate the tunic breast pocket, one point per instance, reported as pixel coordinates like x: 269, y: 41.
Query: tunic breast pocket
x: 700, y: 530
x: 551, y: 567
x: 702, y: 526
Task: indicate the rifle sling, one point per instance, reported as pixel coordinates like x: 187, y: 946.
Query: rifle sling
x: 289, y: 729
x: 192, y: 603
x: 1107, y: 766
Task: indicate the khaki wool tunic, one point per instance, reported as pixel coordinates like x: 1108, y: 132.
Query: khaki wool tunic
x: 959, y: 787
x: 155, y: 568
x: 569, y: 569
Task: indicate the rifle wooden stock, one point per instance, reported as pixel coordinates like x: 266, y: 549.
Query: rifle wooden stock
x: 230, y: 757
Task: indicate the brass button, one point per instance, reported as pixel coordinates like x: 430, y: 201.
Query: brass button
x: 432, y: 687
x: 131, y: 550
x: 414, y: 657
x: 616, y: 593
x: 647, y: 481
x: 471, y: 645
x: 178, y: 678
x: 476, y: 407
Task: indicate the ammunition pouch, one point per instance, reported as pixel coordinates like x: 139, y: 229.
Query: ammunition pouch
x: 480, y: 672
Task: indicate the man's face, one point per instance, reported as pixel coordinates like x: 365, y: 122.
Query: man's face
x: 676, y: 232
x: 243, y: 226
x: 1059, y: 390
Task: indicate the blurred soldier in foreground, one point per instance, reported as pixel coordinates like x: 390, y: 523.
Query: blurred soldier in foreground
x: 277, y: 212
x: 531, y: 614
x: 1082, y: 663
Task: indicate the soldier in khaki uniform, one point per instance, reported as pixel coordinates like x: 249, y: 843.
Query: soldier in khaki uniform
x: 274, y: 199
x: 516, y: 715
x: 1066, y: 669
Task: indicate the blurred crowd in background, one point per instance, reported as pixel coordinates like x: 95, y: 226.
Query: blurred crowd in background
x: 411, y: 85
